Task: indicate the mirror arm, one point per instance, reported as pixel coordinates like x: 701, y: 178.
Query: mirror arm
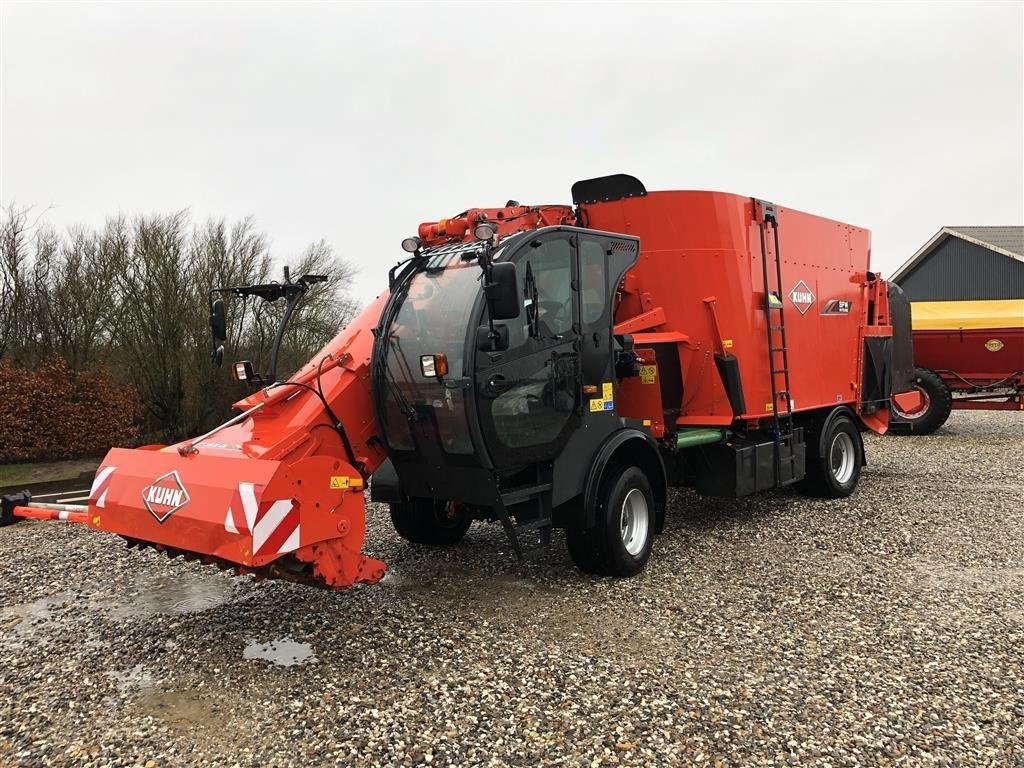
x: 485, y: 264
x: 217, y: 351
x: 293, y: 302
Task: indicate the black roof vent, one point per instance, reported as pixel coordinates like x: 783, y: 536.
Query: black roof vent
x: 605, y: 189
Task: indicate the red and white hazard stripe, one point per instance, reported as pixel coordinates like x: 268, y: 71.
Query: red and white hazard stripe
x: 100, y: 485
x: 273, y: 525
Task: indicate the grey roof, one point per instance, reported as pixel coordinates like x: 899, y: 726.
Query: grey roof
x: 1006, y: 240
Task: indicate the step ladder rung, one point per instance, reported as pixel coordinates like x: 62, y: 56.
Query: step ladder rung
x: 529, y: 525
x: 524, y: 493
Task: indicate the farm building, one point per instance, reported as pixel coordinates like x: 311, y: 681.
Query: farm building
x: 966, y: 264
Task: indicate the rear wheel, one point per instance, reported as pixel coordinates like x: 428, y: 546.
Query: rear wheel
x: 428, y: 521
x: 619, y: 543
x: 938, y: 402
x: 834, y: 460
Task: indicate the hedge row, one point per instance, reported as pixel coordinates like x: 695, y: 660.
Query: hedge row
x: 54, y: 412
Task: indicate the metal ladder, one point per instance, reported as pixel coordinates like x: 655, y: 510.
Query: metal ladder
x: 539, y: 493
x: 775, y: 320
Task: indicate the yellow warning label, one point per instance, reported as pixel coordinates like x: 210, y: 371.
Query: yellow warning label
x: 339, y: 481
x: 606, y: 391
x: 769, y: 407
x: 727, y: 343
x: 596, y: 405
x: 648, y: 373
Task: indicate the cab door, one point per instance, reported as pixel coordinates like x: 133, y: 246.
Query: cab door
x: 528, y: 396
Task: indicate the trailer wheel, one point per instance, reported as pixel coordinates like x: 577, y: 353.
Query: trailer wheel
x: 834, y: 460
x: 428, y: 521
x: 938, y: 403
x: 619, y: 543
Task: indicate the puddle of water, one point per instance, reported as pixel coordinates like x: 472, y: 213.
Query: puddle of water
x: 128, y: 680
x: 459, y: 578
x: 394, y: 579
x: 175, y: 707
x: 284, y: 652
x: 20, y: 620
x: 511, y: 582
x: 185, y: 593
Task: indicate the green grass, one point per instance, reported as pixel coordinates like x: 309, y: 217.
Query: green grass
x: 44, y: 471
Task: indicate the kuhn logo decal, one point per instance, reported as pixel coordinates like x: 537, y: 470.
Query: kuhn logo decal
x: 165, y: 496
x: 802, y: 297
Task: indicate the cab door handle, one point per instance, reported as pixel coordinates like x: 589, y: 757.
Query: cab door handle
x: 497, y: 384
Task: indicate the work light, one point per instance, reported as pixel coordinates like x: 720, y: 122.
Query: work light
x: 411, y: 244
x: 485, y: 230
x: 242, y: 370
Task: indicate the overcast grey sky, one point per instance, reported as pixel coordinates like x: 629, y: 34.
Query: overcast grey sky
x: 356, y: 122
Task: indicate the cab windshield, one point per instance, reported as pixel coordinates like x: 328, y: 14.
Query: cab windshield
x: 434, y: 318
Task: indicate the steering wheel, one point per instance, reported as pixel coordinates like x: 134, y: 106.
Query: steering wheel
x: 553, y: 311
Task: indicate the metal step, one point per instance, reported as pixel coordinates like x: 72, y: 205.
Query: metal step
x: 524, y: 493
x: 535, y: 524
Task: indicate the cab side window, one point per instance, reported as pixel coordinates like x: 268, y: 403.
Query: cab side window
x: 593, y: 281
x: 550, y: 266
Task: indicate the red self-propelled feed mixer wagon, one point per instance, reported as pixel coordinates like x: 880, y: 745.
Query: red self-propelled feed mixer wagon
x: 541, y: 367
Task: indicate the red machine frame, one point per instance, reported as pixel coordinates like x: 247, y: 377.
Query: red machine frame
x: 282, y: 484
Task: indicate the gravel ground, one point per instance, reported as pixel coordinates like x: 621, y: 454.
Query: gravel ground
x: 884, y: 629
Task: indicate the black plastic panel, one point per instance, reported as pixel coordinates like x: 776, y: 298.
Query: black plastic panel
x: 605, y: 189
x: 740, y: 468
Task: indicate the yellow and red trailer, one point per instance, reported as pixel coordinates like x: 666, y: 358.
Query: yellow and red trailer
x: 968, y: 355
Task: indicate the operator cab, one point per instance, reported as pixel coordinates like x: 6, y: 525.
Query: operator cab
x: 511, y: 425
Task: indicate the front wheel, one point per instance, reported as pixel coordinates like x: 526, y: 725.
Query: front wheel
x: 834, y: 460
x: 938, y: 403
x: 429, y: 521
x: 619, y: 543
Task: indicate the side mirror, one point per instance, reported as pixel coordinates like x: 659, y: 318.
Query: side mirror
x: 218, y: 320
x: 503, y: 292
x: 485, y: 343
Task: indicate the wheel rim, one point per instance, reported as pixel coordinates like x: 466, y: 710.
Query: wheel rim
x: 926, y: 403
x: 843, y: 455
x: 634, y: 520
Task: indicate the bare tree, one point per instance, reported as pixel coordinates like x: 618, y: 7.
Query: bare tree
x: 14, y: 256
x: 72, y: 296
x: 135, y: 295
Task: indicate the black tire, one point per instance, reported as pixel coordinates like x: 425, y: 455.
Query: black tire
x: 938, y: 405
x: 619, y: 543
x: 834, y: 460
x: 426, y: 521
